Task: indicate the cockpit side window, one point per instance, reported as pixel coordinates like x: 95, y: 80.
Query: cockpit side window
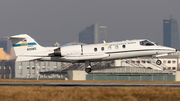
x: 146, y: 43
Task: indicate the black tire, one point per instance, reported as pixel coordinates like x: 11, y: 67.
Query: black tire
x: 158, y: 62
x: 88, y: 70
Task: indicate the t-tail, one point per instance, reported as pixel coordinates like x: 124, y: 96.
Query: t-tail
x: 26, y: 48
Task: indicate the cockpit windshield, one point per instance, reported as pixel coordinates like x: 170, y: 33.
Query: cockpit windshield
x: 146, y: 43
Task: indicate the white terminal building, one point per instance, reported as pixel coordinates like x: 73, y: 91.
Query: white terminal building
x: 169, y: 63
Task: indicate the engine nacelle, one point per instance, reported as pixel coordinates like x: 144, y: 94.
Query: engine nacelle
x: 68, y: 50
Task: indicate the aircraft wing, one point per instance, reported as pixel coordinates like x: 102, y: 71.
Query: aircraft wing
x: 86, y: 57
x: 26, y: 58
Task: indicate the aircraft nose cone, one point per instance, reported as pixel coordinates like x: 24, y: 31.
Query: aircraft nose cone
x: 173, y: 50
x: 167, y: 50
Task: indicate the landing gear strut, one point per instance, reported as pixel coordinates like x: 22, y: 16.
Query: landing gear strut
x: 87, y: 67
x: 158, y: 62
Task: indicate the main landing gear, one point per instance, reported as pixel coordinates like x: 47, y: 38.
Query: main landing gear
x: 87, y: 67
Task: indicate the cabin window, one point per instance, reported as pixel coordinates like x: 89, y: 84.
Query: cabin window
x: 95, y: 49
x: 102, y: 48
x: 109, y: 47
x: 169, y: 68
x: 116, y: 47
x: 146, y: 43
x: 123, y: 46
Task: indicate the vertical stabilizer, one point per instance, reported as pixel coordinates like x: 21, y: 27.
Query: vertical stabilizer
x: 26, y: 46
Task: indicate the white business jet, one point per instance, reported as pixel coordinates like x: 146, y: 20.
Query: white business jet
x: 26, y: 48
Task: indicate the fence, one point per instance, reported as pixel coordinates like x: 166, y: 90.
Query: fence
x: 131, y: 77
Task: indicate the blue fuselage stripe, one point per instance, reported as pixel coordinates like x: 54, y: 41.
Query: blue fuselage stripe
x: 16, y: 45
x: 31, y: 44
x: 24, y: 44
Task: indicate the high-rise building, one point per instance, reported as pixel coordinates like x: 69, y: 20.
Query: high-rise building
x: 6, y: 45
x: 170, y: 33
x: 93, y: 34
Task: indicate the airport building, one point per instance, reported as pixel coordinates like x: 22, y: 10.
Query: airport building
x: 93, y: 34
x: 139, y: 69
x: 169, y: 63
x: 3, y: 44
x: 107, y: 70
x: 6, y: 45
x: 171, y: 33
x: 131, y: 74
x: 28, y: 69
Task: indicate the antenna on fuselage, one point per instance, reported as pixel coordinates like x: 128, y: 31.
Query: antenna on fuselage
x: 104, y: 41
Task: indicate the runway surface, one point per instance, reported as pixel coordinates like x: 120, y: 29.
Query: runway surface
x: 88, y: 84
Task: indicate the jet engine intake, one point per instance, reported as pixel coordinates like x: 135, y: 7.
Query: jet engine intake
x: 57, y: 52
x: 68, y: 50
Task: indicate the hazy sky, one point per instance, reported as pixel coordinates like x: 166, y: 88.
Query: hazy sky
x: 50, y: 21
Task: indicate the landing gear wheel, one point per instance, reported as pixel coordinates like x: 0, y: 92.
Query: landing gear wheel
x: 88, y: 70
x: 158, y: 62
